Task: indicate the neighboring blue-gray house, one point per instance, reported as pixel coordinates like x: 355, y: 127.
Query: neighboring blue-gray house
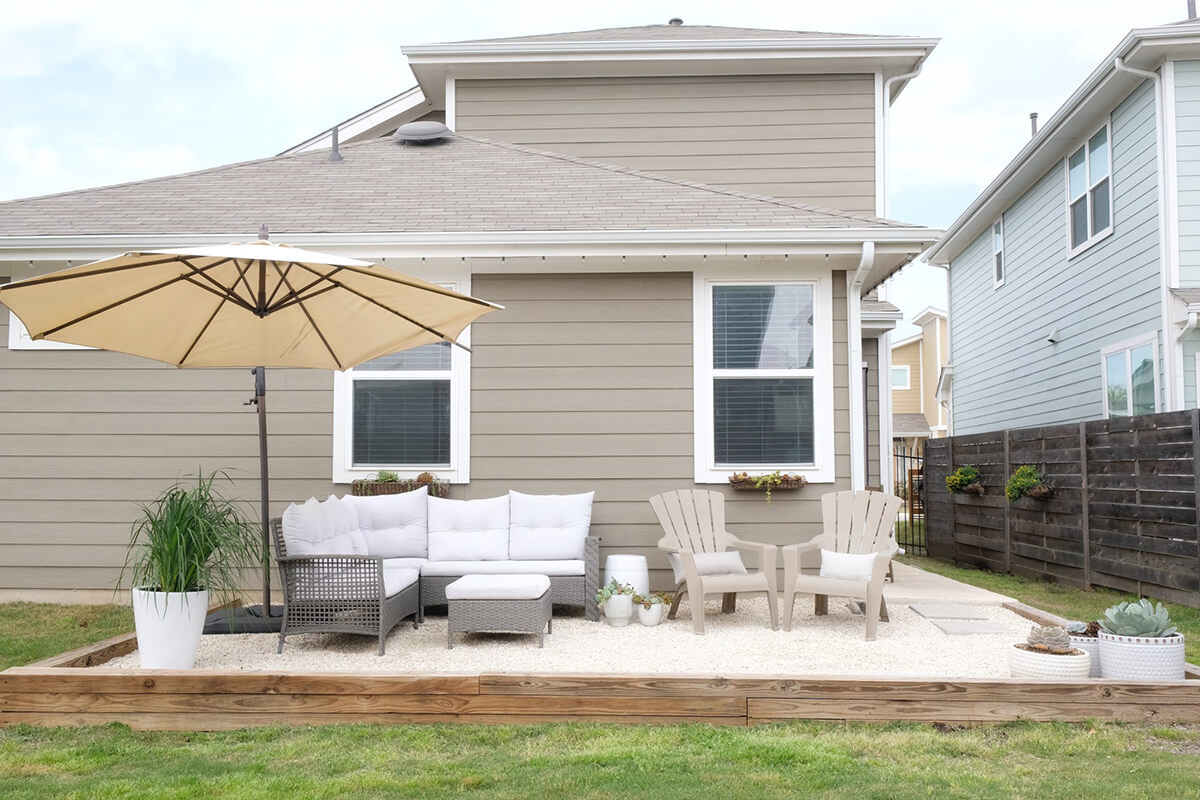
x: 1075, y: 276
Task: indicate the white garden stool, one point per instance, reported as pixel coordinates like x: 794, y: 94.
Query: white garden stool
x: 498, y: 603
x: 628, y: 569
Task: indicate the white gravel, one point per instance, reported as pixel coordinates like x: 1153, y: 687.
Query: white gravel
x: 740, y: 643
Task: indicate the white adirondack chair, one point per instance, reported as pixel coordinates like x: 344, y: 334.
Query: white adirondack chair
x: 694, y: 522
x: 854, y: 522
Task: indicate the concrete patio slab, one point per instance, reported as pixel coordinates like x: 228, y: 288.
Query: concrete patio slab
x: 967, y: 627
x: 947, y: 611
x: 913, y: 585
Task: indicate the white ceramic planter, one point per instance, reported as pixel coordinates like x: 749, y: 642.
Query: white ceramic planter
x: 650, y: 616
x: 1032, y: 664
x: 168, y: 626
x: 1091, y: 646
x: 1138, y: 658
x: 618, y: 610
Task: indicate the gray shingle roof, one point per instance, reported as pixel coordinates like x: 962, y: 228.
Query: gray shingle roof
x: 910, y: 425
x: 654, y: 33
x: 1189, y: 296
x: 463, y: 184
x: 873, y: 305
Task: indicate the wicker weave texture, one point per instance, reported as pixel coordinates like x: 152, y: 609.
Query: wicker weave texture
x: 512, y: 616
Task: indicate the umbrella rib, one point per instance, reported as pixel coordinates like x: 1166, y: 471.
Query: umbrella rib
x: 311, y: 321
x: 224, y: 294
x: 242, y: 278
x: 289, y: 299
x: 293, y: 299
x: 271, y: 300
x: 432, y: 289
x: 203, y: 330
x: 30, y: 282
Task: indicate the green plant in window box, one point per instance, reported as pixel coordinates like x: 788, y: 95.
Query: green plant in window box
x: 767, y: 483
x: 388, y: 482
x: 1027, y: 481
x: 965, y: 480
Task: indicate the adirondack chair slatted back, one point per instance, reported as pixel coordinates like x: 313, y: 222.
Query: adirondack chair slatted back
x: 858, y: 522
x: 693, y: 519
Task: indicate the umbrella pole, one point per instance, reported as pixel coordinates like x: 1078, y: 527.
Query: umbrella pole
x: 260, y: 400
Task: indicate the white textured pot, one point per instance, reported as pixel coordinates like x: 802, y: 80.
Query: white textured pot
x: 618, y: 609
x: 1091, y: 646
x: 1141, y: 658
x: 1032, y: 664
x: 168, y: 626
x: 650, y: 616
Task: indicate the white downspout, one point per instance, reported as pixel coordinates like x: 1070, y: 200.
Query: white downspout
x: 887, y: 104
x: 858, y: 391
x: 1174, y: 386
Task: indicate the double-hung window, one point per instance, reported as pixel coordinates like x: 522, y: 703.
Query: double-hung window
x: 998, y: 253
x: 1089, y: 190
x: 763, y: 379
x: 900, y: 377
x: 1130, y: 378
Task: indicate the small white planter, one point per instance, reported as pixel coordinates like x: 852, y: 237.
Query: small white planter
x: 650, y: 616
x: 1139, y: 658
x: 618, y: 609
x: 1091, y: 646
x: 168, y: 626
x: 1032, y: 664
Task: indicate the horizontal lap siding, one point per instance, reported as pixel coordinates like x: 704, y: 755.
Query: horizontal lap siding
x: 1187, y: 127
x: 1006, y: 373
x: 803, y: 138
x: 908, y: 401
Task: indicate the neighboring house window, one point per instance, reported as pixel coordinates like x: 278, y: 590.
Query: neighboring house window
x: 900, y: 377
x: 764, y: 381
x: 998, y: 253
x: 18, y: 339
x: 1089, y: 190
x: 406, y: 412
x: 1130, y: 378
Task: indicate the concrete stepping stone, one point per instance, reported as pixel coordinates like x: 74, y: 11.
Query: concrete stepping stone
x: 966, y: 627
x: 947, y: 611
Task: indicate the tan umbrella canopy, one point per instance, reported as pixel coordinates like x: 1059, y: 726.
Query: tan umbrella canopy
x: 258, y: 304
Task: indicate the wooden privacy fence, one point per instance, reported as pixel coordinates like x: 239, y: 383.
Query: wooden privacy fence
x: 1124, y: 513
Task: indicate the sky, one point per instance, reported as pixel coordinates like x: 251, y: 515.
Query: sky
x: 99, y: 93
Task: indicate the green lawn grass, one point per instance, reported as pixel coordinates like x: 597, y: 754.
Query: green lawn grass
x: 33, y: 631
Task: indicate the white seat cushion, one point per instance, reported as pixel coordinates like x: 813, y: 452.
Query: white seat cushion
x: 405, y: 563
x: 557, y: 568
x: 548, y: 526
x: 468, y: 530
x: 394, y: 525
x: 327, y: 528
x: 727, y: 563
x: 846, y: 566
x: 498, y: 587
x: 397, y: 579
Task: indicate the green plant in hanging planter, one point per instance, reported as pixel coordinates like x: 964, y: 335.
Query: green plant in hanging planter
x: 1026, y: 480
x: 964, y: 480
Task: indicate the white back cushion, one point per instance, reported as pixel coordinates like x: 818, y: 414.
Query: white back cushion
x: 548, y: 527
x: 395, y: 525
x: 846, y: 566
x: 468, y: 530
x: 317, y: 528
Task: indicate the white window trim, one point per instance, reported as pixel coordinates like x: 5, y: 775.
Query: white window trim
x: 1096, y: 238
x: 999, y: 251
x: 1148, y: 338
x: 459, y: 470
x: 907, y: 378
x: 822, y: 469
x: 18, y: 338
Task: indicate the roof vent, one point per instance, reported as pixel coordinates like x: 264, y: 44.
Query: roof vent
x: 674, y: 21
x: 424, y: 132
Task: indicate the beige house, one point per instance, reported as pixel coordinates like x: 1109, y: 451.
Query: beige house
x: 682, y: 222
x: 918, y: 412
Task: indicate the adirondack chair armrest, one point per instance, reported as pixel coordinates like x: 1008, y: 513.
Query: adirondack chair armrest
x: 791, y: 557
x: 768, y: 555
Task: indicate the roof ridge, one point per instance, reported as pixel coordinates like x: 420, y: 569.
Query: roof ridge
x: 575, y: 33
x: 833, y: 212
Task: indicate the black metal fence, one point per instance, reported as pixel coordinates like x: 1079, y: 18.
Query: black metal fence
x: 908, y: 470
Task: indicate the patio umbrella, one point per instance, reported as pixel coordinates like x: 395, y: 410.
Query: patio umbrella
x: 256, y: 305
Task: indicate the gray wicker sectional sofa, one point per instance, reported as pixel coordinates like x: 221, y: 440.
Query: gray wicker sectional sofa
x: 363, y: 564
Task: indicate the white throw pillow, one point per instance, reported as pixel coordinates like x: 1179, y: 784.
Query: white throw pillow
x: 846, y: 566
x: 395, y: 525
x: 548, y: 527
x: 468, y: 530
x: 727, y: 563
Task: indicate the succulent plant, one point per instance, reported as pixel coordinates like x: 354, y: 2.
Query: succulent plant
x: 1083, y: 628
x: 1141, y: 618
x: 1049, y: 638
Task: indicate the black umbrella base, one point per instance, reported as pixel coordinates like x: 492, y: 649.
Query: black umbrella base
x: 244, y: 619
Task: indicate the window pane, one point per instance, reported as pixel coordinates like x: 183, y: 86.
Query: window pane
x: 1079, y: 222
x: 426, y: 357
x: 997, y: 237
x: 1077, y: 167
x: 762, y: 327
x: 763, y: 421
x: 1098, y: 155
x: 899, y: 377
x: 999, y: 267
x: 402, y: 422
x: 1142, y: 374
x: 1116, y: 374
x: 1101, y: 216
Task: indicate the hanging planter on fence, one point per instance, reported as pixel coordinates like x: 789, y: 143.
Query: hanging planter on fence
x: 1026, y: 481
x: 965, y: 480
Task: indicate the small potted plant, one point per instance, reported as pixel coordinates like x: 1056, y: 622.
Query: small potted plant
x: 616, y: 600
x: 1026, y: 481
x: 189, y: 544
x: 1139, y: 643
x: 1047, y: 653
x: 1084, y: 636
x: 650, y: 608
x: 965, y: 480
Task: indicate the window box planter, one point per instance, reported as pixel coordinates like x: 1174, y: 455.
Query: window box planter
x: 370, y: 487
x: 749, y: 485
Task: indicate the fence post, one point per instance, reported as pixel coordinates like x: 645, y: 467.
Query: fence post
x: 1083, y: 500
x: 1007, y: 523
x: 953, y: 508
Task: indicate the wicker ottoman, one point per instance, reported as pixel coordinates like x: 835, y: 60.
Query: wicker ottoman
x: 495, y: 603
